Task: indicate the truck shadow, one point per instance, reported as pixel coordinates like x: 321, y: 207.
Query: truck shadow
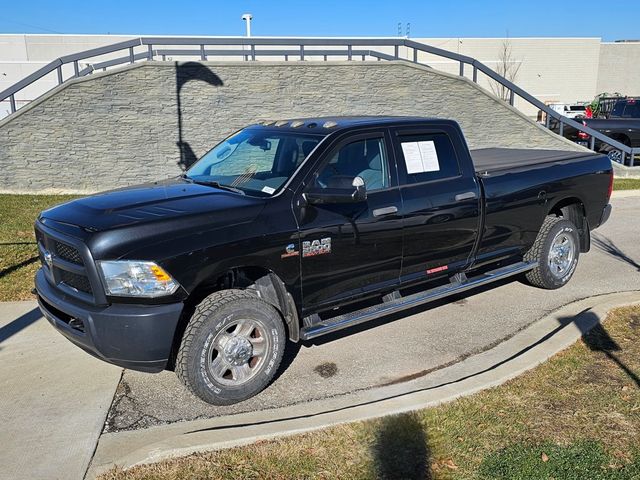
x: 610, y: 248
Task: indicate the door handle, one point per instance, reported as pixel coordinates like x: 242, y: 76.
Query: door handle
x: 378, y: 212
x: 465, y: 196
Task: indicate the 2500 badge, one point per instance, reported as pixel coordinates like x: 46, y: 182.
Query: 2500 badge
x: 316, y: 247
x: 310, y: 248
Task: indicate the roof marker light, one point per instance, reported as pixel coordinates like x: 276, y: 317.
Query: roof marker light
x: 297, y: 123
x: 280, y: 123
x: 329, y: 124
x: 268, y: 123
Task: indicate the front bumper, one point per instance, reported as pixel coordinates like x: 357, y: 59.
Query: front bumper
x: 138, y: 337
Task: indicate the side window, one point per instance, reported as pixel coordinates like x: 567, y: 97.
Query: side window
x: 428, y: 157
x: 363, y: 158
x: 632, y: 110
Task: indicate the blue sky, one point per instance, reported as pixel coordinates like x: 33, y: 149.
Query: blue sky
x: 620, y: 19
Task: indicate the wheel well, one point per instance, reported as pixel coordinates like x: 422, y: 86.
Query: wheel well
x: 622, y: 138
x: 267, y: 285
x: 573, y: 210
x: 619, y: 137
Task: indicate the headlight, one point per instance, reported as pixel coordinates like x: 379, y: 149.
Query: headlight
x: 128, y: 278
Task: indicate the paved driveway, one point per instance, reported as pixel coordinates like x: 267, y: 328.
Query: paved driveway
x: 411, y: 346
x: 53, y: 399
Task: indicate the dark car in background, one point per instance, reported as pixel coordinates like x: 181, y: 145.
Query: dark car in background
x: 621, y: 124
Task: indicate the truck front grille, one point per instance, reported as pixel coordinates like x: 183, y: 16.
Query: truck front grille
x: 73, y: 280
x: 68, y: 253
x: 67, y: 264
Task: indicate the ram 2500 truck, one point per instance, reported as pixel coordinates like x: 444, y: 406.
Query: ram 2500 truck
x: 293, y: 229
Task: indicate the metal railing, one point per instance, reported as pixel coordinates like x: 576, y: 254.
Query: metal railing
x: 247, y: 48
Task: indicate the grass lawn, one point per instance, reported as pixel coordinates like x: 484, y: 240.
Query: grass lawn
x: 626, y: 184
x: 575, y: 417
x: 18, y: 252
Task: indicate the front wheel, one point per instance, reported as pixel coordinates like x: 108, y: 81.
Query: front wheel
x: 556, y: 249
x: 231, y: 347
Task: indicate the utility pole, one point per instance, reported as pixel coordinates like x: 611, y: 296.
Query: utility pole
x: 247, y: 17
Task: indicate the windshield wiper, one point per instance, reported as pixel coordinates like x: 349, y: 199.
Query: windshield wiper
x: 213, y: 183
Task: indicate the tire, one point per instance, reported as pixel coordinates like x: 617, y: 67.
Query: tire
x: 217, y: 359
x: 615, y: 155
x: 556, y: 249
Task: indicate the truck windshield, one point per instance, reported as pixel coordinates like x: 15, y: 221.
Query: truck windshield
x: 255, y: 160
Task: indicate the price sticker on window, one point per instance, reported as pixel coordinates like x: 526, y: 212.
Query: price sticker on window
x: 420, y: 157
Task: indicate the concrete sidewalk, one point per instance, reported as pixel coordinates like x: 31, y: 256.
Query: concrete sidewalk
x: 54, y: 399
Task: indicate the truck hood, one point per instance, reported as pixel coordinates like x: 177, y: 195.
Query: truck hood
x: 168, y: 201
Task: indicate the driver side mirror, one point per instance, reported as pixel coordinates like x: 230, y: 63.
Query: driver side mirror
x: 340, y: 189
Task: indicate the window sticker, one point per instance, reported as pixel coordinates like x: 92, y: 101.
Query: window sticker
x: 268, y: 190
x: 421, y: 157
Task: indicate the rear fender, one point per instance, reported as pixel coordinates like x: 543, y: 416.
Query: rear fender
x: 573, y: 210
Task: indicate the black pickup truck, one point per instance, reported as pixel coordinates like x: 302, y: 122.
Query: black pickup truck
x: 622, y: 124
x: 293, y: 229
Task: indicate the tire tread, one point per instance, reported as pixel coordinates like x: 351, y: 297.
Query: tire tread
x: 536, y: 253
x: 206, y: 308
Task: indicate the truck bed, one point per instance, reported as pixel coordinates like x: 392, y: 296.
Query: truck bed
x: 494, y: 159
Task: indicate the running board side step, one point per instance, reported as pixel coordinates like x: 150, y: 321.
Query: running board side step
x: 459, y: 283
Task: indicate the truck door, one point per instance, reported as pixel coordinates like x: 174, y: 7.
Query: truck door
x: 441, y: 201
x: 349, y: 250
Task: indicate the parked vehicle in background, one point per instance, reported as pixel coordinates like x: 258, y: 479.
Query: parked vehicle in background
x: 603, y: 104
x: 294, y: 229
x: 622, y: 125
x: 569, y: 110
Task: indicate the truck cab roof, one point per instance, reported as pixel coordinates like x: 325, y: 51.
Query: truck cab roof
x: 329, y: 124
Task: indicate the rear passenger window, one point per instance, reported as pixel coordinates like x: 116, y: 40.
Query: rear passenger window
x: 632, y: 110
x: 428, y: 157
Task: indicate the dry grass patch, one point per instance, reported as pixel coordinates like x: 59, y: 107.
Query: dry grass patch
x: 18, y: 251
x: 626, y: 184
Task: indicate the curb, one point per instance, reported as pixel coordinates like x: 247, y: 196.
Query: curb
x: 522, y: 352
x: 625, y: 193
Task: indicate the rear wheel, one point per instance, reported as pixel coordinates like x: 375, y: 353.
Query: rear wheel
x: 231, y: 348
x: 613, y: 153
x: 615, y: 156
x: 556, y: 249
